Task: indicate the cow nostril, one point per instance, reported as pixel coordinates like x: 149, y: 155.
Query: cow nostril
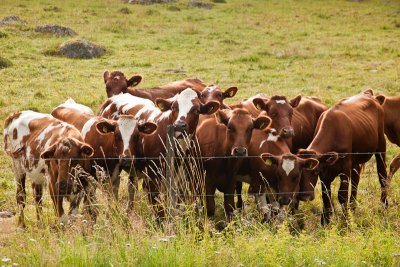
x: 284, y: 201
x: 239, y: 151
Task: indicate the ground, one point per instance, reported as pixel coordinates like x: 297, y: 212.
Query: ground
x: 328, y: 49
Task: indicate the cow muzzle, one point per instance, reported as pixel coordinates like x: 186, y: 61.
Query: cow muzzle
x: 306, y: 196
x: 287, y: 132
x: 127, y: 161
x: 180, y: 128
x: 284, y: 201
x: 239, y: 152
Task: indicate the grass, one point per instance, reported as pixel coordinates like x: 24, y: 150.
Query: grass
x: 329, y: 49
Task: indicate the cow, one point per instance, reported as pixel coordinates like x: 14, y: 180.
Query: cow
x: 182, y: 112
x: 226, y: 135
x: 117, y: 83
x: 42, y: 146
x: 273, y: 170
x: 114, y: 141
x: 347, y: 135
x: 214, y: 93
x: 391, y: 105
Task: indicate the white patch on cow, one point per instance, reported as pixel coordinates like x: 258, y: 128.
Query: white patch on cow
x: 117, y: 77
x: 88, y: 125
x: 288, y: 165
x: 126, y: 127
x: 262, y: 204
x: 71, y: 104
x: 21, y: 125
x: 280, y: 102
x: 211, y: 88
x: 47, y: 130
x: 125, y: 102
x: 185, y: 103
x: 272, y: 137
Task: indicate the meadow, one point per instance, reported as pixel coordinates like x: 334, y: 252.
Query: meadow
x: 328, y: 49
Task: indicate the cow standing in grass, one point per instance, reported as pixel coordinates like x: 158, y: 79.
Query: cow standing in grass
x: 47, y: 150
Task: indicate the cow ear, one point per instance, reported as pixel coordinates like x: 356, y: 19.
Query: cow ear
x: 87, y: 150
x: 269, y: 159
x: 331, y: 158
x: 259, y: 104
x: 209, y: 108
x: 163, y: 104
x: 134, y: 80
x: 306, y: 154
x: 105, y: 127
x: 147, y: 127
x: 262, y: 122
x: 106, y: 75
x: 222, y: 117
x: 381, y: 99
x: 294, y: 102
x: 49, y: 152
x: 310, y: 164
x: 368, y: 92
x: 230, y: 92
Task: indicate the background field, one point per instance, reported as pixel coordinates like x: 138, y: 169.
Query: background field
x: 329, y: 49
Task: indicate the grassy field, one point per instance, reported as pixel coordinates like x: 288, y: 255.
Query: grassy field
x: 329, y: 49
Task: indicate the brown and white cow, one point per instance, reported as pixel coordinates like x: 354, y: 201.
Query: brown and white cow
x: 226, y: 135
x: 114, y: 141
x: 116, y: 83
x: 347, y: 135
x: 182, y: 111
x: 40, y: 146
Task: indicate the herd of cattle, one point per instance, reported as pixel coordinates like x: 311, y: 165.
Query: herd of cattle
x: 275, y: 144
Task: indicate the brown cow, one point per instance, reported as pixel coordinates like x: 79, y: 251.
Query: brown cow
x: 41, y: 145
x: 346, y: 136
x: 214, y: 93
x: 226, y: 135
x: 114, y: 141
x: 181, y: 111
x: 116, y: 83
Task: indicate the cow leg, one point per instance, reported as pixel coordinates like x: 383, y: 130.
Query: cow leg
x: 132, y: 189
x: 326, y: 199
x: 56, y: 197
x: 394, y: 166
x: 38, y: 195
x: 384, y: 180
x: 355, y: 179
x: 229, y: 200
x: 210, y: 201
x: 343, y: 194
x: 115, y: 181
x: 90, y: 202
x: 21, y: 198
x: 239, y: 186
x: 154, y: 198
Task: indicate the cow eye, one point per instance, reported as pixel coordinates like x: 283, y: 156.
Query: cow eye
x: 273, y: 114
x: 202, y: 96
x: 230, y: 128
x: 173, y: 108
x: 219, y: 95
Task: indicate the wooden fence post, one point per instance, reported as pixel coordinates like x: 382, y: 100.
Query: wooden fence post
x: 170, y: 156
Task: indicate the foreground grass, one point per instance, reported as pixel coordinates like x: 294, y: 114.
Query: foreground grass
x: 329, y: 49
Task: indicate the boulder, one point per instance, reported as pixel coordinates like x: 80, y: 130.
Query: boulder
x: 56, y: 30
x: 80, y: 49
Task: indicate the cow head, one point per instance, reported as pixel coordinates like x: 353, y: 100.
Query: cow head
x: 117, y: 83
x: 240, y: 125
x: 288, y: 169
x: 280, y: 110
x: 125, y: 131
x: 186, y: 108
x: 63, y: 159
x: 310, y: 177
x: 213, y: 92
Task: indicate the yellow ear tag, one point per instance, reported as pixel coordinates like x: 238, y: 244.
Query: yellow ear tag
x: 262, y: 125
x: 231, y: 93
x: 105, y: 129
x: 211, y: 109
x: 268, y: 162
x: 161, y: 106
x: 258, y: 107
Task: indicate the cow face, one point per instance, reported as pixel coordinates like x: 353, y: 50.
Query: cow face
x: 288, y: 169
x: 240, y: 125
x: 280, y: 110
x: 186, y: 108
x: 125, y: 131
x: 214, y: 93
x: 65, y: 160
x: 310, y: 177
x: 116, y: 83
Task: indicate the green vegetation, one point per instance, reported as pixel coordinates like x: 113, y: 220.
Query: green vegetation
x: 329, y: 49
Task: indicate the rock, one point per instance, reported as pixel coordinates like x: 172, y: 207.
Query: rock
x: 200, y: 4
x: 10, y: 20
x: 80, y: 49
x: 149, y: 2
x: 6, y: 214
x: 4, y: 63
x: 56, y: 30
